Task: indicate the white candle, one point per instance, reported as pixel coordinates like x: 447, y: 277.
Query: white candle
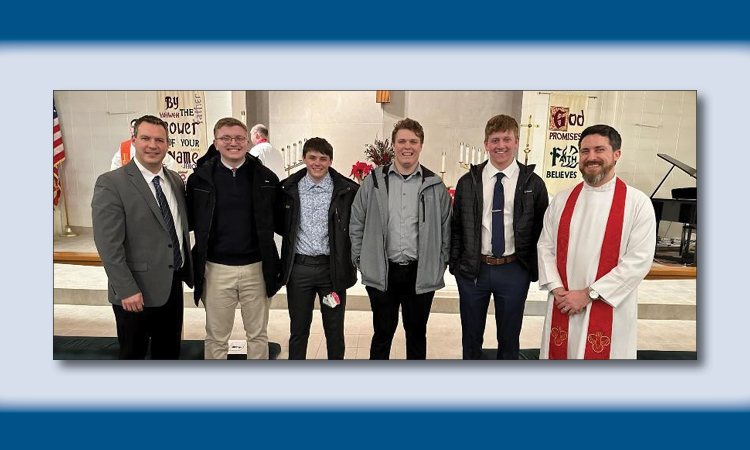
x: 442, y: 165
x: 461, y: 153
x: 300, y: 150
x: 288, y: 156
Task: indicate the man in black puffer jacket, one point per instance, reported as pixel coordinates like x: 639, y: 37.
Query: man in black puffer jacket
x: 316, y: 251
x: 497, y: 219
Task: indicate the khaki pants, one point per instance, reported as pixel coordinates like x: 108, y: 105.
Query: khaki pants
x: 225, y: 287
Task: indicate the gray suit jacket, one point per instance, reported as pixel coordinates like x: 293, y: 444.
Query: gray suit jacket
x: 132, y: 238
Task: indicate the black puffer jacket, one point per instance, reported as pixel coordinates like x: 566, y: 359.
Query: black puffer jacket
x: 466, y: 227
x: 201, y: 200
x: 343, y: 272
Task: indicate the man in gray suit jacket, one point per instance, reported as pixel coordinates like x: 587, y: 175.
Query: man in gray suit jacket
x: 141, y: 233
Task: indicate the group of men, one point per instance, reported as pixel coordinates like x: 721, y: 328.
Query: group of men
x: 590, y: 247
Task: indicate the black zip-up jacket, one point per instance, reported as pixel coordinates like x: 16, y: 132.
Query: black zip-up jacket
x: 343, y: 272
x: 201, y: 201
x: 466, y: 227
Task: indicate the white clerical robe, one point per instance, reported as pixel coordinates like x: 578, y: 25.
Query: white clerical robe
x: 270, y: 157
x: 619, y: 287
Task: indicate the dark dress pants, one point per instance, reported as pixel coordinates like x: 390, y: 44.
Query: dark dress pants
x: 161, y: 325
x: 415, y: 310
x: 311, y: 276
x: 509, y: 286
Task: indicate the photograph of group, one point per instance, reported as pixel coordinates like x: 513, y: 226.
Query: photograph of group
x: 376, y: 225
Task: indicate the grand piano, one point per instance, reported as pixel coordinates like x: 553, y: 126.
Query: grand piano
x: 681, y: 208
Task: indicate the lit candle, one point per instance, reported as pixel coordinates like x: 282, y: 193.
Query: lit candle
x: 442, y: 166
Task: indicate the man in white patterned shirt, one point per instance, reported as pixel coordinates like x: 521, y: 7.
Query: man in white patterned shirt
x: 316, y: 247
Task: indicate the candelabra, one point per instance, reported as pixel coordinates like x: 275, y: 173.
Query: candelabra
x: 469, y: 154
x: 292, y: 154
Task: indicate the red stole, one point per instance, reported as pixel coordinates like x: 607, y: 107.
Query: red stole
x: 261, y: 141
x: 599, y: 335
x: 125, y: 151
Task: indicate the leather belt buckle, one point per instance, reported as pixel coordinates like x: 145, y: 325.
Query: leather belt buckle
x: 492, y: 261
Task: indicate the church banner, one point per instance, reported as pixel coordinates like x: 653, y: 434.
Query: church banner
x: 185, y: 114
x: 566, y: 121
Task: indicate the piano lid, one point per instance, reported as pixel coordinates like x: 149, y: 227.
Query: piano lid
x: 685, y: 168
x: 675, y: 163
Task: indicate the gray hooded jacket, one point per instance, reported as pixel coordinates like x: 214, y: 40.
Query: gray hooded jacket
x: 368, y: 228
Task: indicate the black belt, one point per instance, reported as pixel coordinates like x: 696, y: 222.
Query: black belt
x: 311, y: 260
x: 403, y: 263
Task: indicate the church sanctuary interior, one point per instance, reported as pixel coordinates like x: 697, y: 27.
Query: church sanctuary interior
x: 659, y: 158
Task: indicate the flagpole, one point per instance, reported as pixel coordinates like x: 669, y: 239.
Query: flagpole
x: 68, y: 232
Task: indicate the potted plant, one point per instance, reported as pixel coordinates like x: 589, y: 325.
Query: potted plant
x: 360, y: 170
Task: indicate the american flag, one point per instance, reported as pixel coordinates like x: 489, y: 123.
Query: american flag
x: 59, y: 154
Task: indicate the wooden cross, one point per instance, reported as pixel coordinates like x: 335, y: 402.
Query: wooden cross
x: 527, y: 150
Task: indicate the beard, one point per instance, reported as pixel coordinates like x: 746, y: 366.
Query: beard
x: 593, y: 179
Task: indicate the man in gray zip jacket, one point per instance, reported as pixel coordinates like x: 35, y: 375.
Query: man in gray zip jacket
x: 400, y: 233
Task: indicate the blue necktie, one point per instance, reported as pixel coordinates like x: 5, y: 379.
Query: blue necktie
x: 167, y: 214
x: 498, y: 223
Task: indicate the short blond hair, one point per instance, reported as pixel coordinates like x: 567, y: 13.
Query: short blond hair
x: 229, y: 122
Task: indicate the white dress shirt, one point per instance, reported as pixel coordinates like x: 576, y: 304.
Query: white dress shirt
x: 510, y: 180
x: 166, y: 187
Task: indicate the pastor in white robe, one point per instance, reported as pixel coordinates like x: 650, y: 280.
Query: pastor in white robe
x: 619, y: 287
x: 270, y: 157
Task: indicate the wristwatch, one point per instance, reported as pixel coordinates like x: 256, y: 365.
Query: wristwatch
x: 593, y: 295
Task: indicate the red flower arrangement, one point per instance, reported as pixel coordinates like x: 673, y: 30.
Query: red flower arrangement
x: 360, y: 170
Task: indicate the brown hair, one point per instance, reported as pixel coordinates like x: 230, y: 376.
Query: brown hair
x: 153, y: 120
x: 408, y: 124
x: 229, y: 122
x: 500, y: 122
x: 318, y: 144
x: 615, y: 140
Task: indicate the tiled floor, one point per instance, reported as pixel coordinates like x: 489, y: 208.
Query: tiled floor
x: 443, y: 334
x: 444, y: 330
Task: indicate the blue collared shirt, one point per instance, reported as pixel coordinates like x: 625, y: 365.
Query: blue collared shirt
x: 315, y: 201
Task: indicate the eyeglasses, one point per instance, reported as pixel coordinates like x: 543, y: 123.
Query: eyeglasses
x: 227, y: 139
